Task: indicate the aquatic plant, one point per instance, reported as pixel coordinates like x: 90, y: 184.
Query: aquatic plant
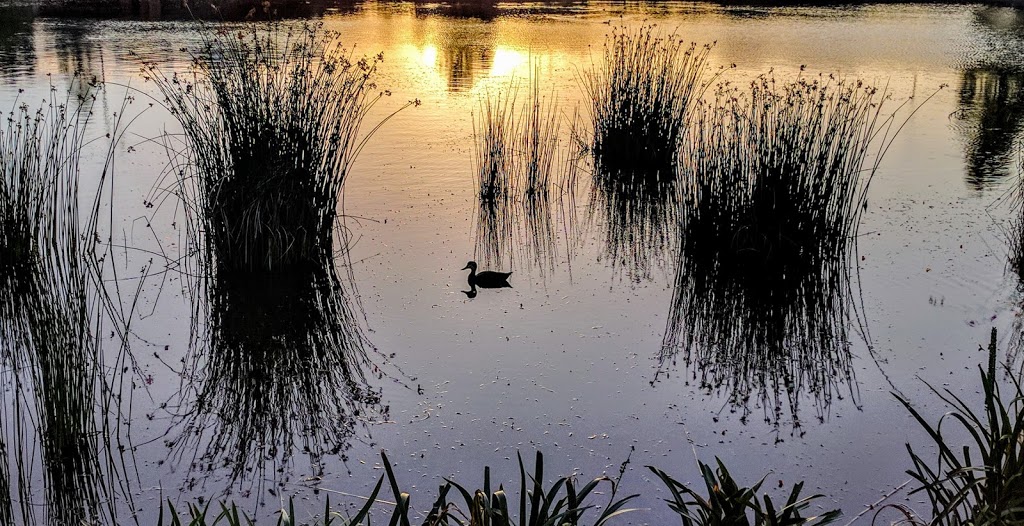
x: 642, y: 97
x: 496, y: 167
x: 775, y: 181
x: 729, y: 504
x: 55, y: 396
x: 562, y: 503
x: 272, y: 117
x: 516, y: 151
x: 984, y: 486
x: 538, y: 138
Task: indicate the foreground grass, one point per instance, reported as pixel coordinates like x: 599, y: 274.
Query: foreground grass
x: 983, y: 487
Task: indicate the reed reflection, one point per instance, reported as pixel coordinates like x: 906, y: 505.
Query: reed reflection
x: 991, y: 110
x: 466, y: 52
x: 482, y: 9
x: 764, y: 294
x: 17, y: 46
x: 57, y: 398
x: 281, y: 371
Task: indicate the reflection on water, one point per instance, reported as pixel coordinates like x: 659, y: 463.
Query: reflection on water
x: 482, y: 9
x: 17, y: 50
x: 77, y: 51
x: 282, y: 372
x: 639, y: 215
x: 464, y: 52
x: 991, y: 111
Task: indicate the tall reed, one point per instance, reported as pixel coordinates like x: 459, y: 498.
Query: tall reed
x: 539, y: 137
x: 495, y: 165
x: 1016, y: 230
x: 642, y: 98
x: 775, y: 183
x: 273, y: 121
x: 515, y: 158
x: 56, y: 394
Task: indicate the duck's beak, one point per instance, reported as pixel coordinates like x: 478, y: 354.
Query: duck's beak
x: 464, y: 268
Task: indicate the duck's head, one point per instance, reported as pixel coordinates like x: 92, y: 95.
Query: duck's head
x: 471, y: 266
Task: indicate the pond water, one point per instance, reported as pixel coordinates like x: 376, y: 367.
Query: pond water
x: 565, y: 360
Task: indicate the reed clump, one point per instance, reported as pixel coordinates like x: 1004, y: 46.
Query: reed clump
x: 273, y: 121
x: 775, y: 182
x: 54, y: 398
x: 516, y: 158
x: 496, y: 165
x: 272, y: 117
x: 641, y: 96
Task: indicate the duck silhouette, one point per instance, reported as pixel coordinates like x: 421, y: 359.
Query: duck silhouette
x: 486, y: 279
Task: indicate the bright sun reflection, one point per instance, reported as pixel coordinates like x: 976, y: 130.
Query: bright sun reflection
x: 428, y: 56
x: 506, y: 61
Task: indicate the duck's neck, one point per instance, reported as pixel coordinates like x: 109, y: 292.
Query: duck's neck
x: 472, y: 273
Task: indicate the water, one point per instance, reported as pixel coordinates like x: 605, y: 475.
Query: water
x: 564, y: 361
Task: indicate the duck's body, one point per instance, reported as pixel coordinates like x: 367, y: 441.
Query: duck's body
x: 487, y: 279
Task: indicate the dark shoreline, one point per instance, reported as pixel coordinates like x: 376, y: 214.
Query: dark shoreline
x: 238, y: 10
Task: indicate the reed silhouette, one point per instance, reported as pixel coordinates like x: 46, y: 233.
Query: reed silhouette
x: 272, y: 118
x: 1015, y: 255
x: 56, y: 397
x: 765, y: 294
x: 642, y: 96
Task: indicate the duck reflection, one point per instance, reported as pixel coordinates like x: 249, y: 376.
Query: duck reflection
x: 282, y: 371
x: 991, y: 110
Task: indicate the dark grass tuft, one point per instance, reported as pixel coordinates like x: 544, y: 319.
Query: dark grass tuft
x: 272, y: 117
x: 54, y: 389
x: 642, y: 97
x: 775, y: 184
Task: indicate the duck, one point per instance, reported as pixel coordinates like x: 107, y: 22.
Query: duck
x: 487, y: 279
